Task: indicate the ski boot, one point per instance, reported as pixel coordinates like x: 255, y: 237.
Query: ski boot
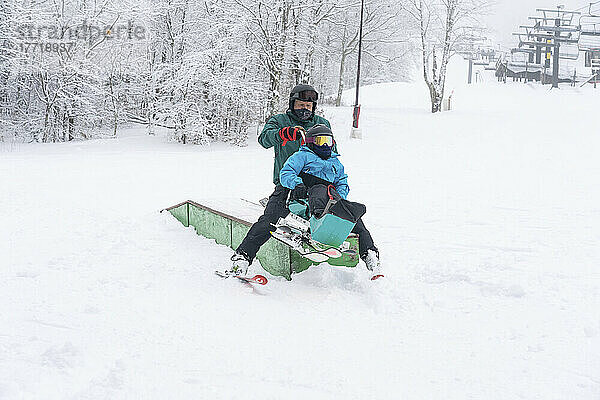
x: 371, y: 259
x: 239, y: 264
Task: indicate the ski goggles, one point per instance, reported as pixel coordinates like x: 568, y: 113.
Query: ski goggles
x: 321, y: 140
x: 308, y: 95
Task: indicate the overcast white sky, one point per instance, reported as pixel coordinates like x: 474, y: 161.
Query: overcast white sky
x: 507, y: 15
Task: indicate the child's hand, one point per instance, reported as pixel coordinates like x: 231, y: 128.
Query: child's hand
x: 299, y: 192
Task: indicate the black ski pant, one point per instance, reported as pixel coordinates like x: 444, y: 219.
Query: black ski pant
x: 276, y: 208
x: 260, y: 232
x: 365, y: 241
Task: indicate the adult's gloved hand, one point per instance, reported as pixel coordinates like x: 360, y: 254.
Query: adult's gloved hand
x: 299, y: 192
x: 288, y: 134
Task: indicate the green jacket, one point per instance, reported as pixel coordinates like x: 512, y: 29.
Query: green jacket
x: 270, y: 137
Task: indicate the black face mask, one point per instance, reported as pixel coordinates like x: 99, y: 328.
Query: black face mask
x: 303, y: 114
x: 323, y: 152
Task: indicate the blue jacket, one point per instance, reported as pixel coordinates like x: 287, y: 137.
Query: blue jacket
x: 305, y: 160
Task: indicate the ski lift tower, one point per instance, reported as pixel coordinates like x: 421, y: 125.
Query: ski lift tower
x: 555, y: 28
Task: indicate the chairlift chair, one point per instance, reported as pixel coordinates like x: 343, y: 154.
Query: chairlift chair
x: 589, y: 37
x: 569, y: 51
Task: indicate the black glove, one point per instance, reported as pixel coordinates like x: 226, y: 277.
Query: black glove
x: 288, y: 134
x: 299, y: 192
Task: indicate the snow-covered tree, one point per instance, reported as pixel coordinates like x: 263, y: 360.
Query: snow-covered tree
x: 206, y: 71
x: 381, y: 30
x: 437, y: 24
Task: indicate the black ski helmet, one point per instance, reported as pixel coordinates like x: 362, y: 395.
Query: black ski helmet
x: 319, y: 130
x: 323, y: 150
x: 304, y: 93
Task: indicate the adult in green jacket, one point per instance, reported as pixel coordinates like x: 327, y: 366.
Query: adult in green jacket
x: 283, y: 132
x: 271, y: 135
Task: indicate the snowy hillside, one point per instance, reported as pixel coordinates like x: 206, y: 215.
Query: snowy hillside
x: 487, y: 219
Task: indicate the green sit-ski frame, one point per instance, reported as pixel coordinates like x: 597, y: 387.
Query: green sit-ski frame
x: 275, y: 257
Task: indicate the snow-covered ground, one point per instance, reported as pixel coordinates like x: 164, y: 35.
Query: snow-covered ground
x: 487, y: 218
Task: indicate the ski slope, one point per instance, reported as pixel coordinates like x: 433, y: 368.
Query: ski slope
x: 487, y: 219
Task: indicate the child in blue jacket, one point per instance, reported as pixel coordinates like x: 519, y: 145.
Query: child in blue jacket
x: 315, y: 162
